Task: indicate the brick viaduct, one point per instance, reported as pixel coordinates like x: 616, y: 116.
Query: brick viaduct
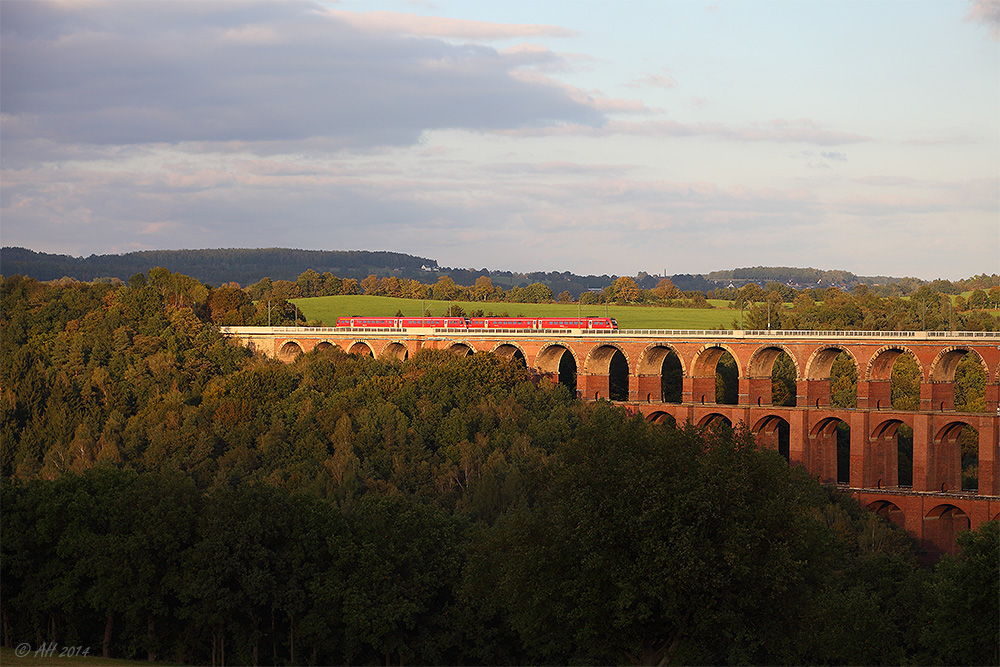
x: 933, y: 509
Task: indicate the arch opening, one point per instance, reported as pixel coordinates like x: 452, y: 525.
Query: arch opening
x: 843, y: 381
x: 888, y: 511
x: 968, y: 441
x: 663, y: 419
x: 830, y: 451
x: 941, y: 525
x: 326, y: 346
x: 508, y: 351
x: 618, y: 377
x: 958, y: 457
x: 970, y: 380
x: 843, y: 453
x: 462, y: 350
x: 715, y: 421
x: 558, y: 362
x: 396, y: 351
x: 727, y: 380
x: 289, y: 351
x: 567, y: 371
x: 904, y: 381
x: 773, y: 432
x: 671, y: 379
x: 361, y: 349
x: 904, y: 456
x: 783, y: 384
x: 891, y: 453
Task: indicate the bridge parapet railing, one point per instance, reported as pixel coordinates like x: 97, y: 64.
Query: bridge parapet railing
x: 911, y: 335
x: 965, y: 494
x: 611, y: 333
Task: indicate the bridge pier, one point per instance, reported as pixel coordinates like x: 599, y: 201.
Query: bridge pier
x: 992, y: 398
x: 861, y: 474
x: 702, y: 390
x: 755, y: 391
x: 937, y: 396
x: 877, y: 392
x: 593, y: 387
x: 647, y: 388
x: 989, y: 452
x: 812, y: 433
x: 812, y: 393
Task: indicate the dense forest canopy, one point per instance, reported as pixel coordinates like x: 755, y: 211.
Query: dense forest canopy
x: 213, y: 266
x: 168, y: 495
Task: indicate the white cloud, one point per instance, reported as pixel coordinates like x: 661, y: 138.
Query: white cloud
x: 121, y: 73
x: 778, y: 131
x: 986, y: 12
x: 394, y: 23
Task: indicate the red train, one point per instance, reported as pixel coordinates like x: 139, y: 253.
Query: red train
x: 590, y: 323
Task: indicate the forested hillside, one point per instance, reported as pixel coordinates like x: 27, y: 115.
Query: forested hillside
x: 315, y: 267
x: 214, y: 267
x: 167, y: 495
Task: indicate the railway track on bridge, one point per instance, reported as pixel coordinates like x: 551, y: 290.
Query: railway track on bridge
x: 727, y: 334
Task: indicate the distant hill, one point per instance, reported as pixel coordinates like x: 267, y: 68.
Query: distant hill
x: 245, y: 266
x: 787, y: 274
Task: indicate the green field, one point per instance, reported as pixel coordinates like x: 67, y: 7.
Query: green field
x: 327, y: 309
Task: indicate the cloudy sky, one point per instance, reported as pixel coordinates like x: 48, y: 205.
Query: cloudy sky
x: 588, y: 136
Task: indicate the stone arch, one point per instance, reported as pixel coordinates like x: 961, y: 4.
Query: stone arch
x: 943, y: 367
x: 395, y: 350
x: 949, y: 468
x: 821, y: 361
x: 880, y: 365
x: 941, y: 525
x: 289, y: 351
x: 715, y: 420
x: 708, y: 356
x: 830, y: 450
x: 890, y: 455
x: 703, y: 374
x: 361, y: 348
x: 662, y: 417
x: 599, y: 358
x: 461, y: 349
x: 761, y: 380
x: 547, y: 359
x: 762, y: 361
x: 888, y: 510
x: 951, y: 430
x: 609, y: 359
x: 326, y: 346
x: 886, y: 428
x: 824, y: 426
x: 559, y: 362
x: 773, y: 432
x: 653, y: 363
x: 510, y: 351
x: 652, y: 357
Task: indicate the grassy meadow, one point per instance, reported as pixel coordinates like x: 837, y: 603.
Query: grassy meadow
x: 327, y: 309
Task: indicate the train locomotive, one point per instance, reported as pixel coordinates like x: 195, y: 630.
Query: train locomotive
x: 480, y: 323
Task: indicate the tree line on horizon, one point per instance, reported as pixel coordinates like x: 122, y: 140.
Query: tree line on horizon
x: 248, y: 266
x: 169, y: 495
x: 774, y: 306
x: 934, y: 306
